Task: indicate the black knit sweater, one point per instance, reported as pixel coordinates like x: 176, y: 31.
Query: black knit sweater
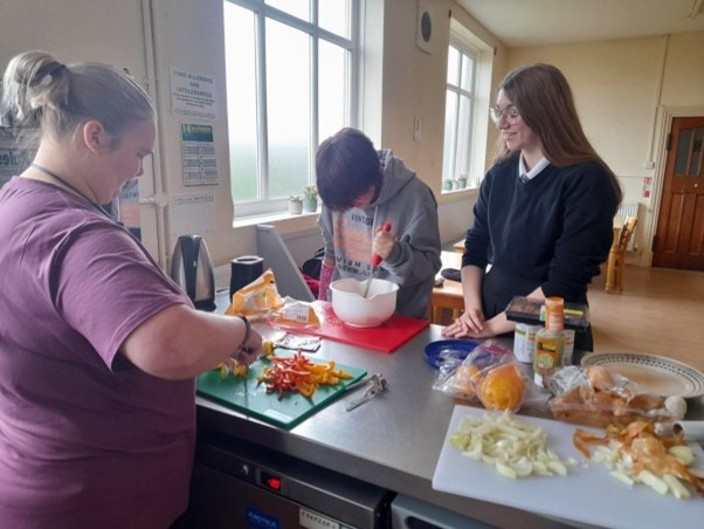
x: 556, y: 228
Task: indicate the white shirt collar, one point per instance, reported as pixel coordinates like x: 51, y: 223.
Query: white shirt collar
x: 529, y: 175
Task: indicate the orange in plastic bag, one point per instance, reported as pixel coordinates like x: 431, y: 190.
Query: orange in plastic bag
x: 258, y: 298
x: 502, y: 388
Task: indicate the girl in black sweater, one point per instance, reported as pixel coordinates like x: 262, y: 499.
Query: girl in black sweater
x: 543, y: 221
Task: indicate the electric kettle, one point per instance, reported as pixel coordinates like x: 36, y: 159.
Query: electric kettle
x: 192, y: 269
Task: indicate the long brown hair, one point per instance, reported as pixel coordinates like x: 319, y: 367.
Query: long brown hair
x: 543, y: 98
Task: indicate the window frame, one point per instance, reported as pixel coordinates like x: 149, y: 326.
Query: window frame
x: 263, y: 204
x: 471, y: 94
x: 483, y: 129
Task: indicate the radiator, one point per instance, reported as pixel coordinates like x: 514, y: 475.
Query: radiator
x: 629, y: 209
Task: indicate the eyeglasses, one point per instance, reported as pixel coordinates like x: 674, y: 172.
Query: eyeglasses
x: 510, y: 113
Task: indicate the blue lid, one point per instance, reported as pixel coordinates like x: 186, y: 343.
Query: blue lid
x: 436, y: 353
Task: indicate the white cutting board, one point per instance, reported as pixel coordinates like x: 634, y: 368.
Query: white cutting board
x: 588, y: 494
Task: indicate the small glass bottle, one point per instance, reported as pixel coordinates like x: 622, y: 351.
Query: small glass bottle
x: 550, y: 341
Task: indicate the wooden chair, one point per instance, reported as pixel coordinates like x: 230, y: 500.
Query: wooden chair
x: 617, y: 256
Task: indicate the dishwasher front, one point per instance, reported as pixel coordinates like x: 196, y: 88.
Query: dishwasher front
x: 242, y: 485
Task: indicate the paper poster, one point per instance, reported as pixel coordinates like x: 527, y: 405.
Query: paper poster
x: 128, y: 207
x: 198, y: 155
x: 193, y: 94
x: 14, y: 159
x: 192, y: 213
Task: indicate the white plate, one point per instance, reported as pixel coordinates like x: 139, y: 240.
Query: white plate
x: 653, y: 374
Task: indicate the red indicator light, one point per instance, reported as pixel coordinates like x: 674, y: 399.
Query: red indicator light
x: 272, y: 482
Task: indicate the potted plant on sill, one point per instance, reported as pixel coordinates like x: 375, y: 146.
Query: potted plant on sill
x: 310, y: 198
x: 295, y: 205
x: 447, y: 184
x: 462, y: 181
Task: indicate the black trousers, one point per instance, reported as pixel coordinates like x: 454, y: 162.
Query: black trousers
x: 499, y: 287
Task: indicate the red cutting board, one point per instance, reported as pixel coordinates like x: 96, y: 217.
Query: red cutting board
x: 387, y: 337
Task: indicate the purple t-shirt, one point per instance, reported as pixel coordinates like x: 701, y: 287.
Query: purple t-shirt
x: 86, y: 438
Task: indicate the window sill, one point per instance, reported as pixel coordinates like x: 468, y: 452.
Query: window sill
x: 281, y: 218
x: 457, y: 194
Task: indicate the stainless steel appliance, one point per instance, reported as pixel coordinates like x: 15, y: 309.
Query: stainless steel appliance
x: 192, y: 269
x: 237, y: 484
x: 410, y: 513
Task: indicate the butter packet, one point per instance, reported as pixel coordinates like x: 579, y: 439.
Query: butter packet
x: 294, y: 314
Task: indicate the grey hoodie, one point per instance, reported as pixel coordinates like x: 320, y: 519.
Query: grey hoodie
x: 409, y: 206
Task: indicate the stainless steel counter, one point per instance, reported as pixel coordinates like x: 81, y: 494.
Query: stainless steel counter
x: 392, y: 441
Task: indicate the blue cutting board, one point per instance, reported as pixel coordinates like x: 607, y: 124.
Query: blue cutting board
x: 248, y: 396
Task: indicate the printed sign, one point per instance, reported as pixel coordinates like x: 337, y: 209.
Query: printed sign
x: 14, y: 159
x: 198, y: 155
x: 313, y: 520
x: 257, y: 519
x: 193, y: 94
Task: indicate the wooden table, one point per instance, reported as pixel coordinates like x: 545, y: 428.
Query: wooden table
x: 459, y: 246
x: 449, y: 295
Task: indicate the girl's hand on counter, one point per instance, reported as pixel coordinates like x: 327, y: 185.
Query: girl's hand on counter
x: 470, y: 323
x: 490, y: 328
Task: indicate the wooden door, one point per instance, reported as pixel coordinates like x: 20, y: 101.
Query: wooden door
x: 679, y: 239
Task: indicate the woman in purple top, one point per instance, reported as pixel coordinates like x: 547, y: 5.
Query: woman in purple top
x: 98, y: 347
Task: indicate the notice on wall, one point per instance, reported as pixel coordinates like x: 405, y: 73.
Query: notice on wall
x: 192, y: 213
x: 128, y: 207
x: 198, y: 155
x: 13, y: 158
x: 193, y: 94
x: 647, y: 186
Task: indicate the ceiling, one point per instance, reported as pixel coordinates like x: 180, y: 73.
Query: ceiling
x: 543, y: 22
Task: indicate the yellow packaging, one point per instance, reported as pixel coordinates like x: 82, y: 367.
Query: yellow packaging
x: 258, y: 298
x: 548, y: 355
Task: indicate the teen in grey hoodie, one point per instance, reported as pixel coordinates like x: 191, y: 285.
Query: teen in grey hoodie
x: 362, y: 189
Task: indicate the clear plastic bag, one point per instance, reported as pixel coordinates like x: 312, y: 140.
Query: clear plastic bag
x: 489, y: 375
x: 593, y: 396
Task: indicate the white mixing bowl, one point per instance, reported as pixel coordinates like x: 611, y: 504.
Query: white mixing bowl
x: 354, y: 309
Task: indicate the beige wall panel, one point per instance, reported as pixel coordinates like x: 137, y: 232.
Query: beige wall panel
x: 615, y: 87
x: 683, y: 82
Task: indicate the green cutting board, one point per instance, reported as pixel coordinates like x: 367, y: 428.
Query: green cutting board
x: 250, y: 397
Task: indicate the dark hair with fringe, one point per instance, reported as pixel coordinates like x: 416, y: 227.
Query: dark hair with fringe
x: 346, y: 166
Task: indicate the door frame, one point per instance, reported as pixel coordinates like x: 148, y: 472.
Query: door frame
x: 666, y: 113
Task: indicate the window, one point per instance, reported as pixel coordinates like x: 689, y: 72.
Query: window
x: 460, y: 111
x: 291, y: 73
